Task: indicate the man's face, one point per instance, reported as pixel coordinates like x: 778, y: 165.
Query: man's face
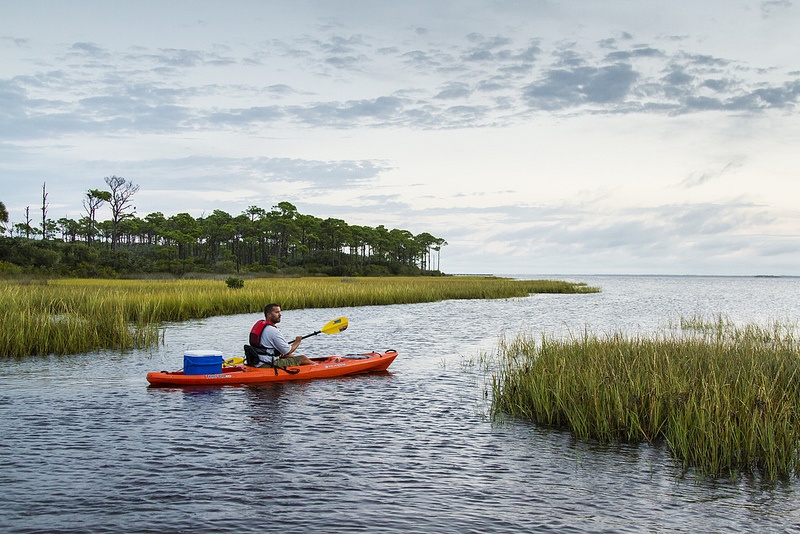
x: 274, y: 315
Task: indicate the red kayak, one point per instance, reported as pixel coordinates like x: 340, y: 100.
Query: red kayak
x: 326, y: 367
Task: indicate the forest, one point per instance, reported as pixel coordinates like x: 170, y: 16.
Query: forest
x: 276, y: 241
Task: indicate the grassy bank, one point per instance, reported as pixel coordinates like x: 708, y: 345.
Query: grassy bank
x: 725, y: 399
x: 77, y: 315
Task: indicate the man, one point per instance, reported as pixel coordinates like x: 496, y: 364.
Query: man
x: 272, y: 339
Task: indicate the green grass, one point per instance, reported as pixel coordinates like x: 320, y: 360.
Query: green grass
x: 724, y: 398
x: 76, y: 315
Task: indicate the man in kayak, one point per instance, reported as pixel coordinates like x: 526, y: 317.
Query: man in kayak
x: 272, y: 339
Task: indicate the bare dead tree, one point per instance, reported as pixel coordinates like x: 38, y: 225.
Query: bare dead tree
x: 122, y: 192
x: 28, y: 228
x: 44, y: 211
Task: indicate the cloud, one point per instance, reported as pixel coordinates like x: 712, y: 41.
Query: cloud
x: 491, y: 49
x: 384, y: 109
x: 17, y: 41
x: 108, y: 91
x: 454, y: 90
x: 770, y: 7
x: 563, y: 88
x: 246, y: 116
x: 701, y: 178
x: 594, y: 238
x: 90, y: 50
x: 253, y: 172
x: 635, y: 53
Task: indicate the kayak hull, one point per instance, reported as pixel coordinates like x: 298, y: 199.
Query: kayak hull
x: 327, y: 367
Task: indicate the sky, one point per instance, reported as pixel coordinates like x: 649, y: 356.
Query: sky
x: 534, y: 136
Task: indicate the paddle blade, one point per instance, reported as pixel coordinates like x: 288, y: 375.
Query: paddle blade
x: 335, y: 326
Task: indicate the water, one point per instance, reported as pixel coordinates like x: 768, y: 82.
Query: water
x: 88, y: 447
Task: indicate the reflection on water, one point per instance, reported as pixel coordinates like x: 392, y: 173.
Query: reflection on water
x: 406, y: 450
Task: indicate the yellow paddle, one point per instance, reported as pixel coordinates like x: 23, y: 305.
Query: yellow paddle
x: 333, y: 327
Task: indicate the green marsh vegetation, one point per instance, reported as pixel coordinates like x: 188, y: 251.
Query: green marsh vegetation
x: 724, y: 398
x: 69, y: 316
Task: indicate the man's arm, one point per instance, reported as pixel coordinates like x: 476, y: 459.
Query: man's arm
x: 295, y: 344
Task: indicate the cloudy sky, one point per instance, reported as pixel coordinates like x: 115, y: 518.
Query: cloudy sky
x: 540, y: 136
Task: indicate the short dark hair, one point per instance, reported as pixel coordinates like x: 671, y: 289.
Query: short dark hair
x: 269, y: 307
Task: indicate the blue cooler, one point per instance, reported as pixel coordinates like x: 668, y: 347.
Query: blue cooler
x: 202, y: 362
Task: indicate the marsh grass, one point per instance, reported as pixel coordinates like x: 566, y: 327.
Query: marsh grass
x: 75, y: 315
x: 724, y: 398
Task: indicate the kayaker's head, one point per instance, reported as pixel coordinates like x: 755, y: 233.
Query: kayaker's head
x: 272, y: 313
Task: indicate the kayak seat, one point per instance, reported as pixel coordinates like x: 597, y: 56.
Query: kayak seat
x: 251, y: 354
x: 251, y: 358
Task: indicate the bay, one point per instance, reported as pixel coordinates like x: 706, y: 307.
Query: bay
x: 89, y: 447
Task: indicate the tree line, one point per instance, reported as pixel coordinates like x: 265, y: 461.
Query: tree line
x: 278, y: 240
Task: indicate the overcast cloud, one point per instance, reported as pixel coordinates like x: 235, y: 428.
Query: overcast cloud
x: 535, y: 137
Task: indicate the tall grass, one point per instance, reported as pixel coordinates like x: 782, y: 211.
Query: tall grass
x: 70, y: 316
x: 724, y: 398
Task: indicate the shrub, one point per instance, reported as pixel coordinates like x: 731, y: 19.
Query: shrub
x: 234, y: 282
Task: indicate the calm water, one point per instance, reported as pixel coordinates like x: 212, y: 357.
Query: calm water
x: 87, y: 446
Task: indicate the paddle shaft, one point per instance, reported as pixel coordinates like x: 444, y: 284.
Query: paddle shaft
x: 312, y: 334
